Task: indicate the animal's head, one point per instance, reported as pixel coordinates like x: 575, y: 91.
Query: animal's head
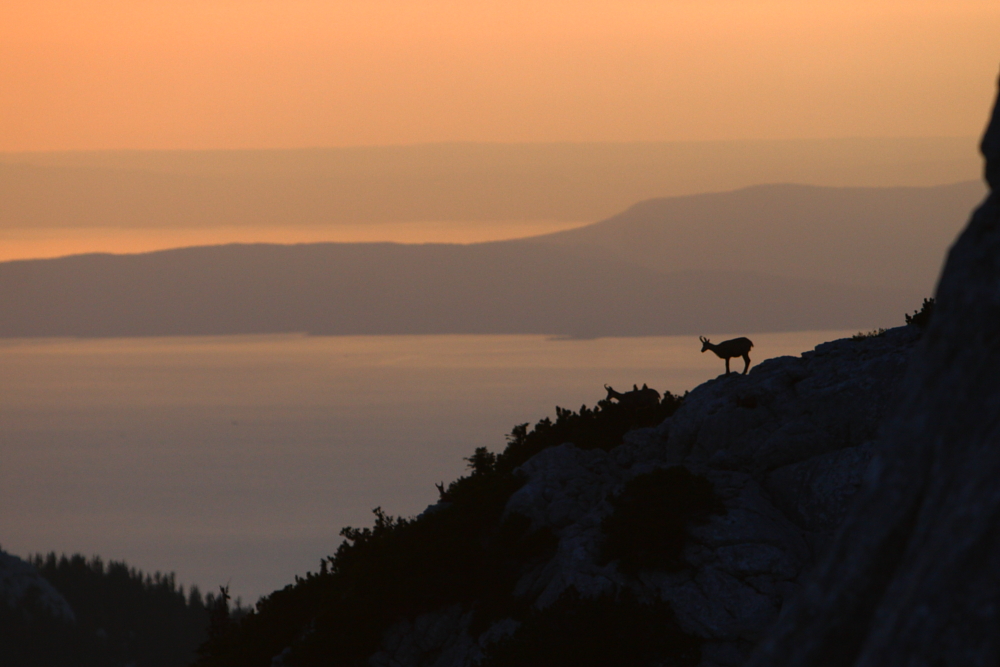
x: 611, y: 392
x: 704, y: 343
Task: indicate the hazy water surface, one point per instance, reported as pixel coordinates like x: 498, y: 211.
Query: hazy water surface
x: 240, y: 458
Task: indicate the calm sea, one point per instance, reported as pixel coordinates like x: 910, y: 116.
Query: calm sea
x: 238, y: 459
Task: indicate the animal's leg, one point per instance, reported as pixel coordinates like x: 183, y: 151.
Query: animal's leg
x: 746, y: 358
x: 727, y: 365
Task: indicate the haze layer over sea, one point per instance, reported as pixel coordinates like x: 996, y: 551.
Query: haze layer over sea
x: 239, y: 459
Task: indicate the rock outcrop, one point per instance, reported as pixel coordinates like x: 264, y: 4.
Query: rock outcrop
x: 786, y: 447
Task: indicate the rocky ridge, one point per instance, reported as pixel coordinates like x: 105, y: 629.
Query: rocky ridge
x: 785, y: 447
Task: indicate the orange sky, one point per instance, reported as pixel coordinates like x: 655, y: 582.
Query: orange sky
x: 103, y: 74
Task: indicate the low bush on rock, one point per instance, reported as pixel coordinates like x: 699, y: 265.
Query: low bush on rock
x: 921, y: 318
x: 874, y: 333
x: 599, y: 428
x: 648, y: 527
x: 580, y: 632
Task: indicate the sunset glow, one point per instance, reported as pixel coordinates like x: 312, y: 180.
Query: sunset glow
x: 108, y: 74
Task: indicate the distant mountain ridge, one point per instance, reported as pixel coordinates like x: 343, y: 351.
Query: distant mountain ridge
x: 392, y: 289
x: 889, y: 237
x: 766, y: 258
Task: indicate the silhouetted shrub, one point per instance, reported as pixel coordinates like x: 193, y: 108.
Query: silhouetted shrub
x: 122, y: 617
x: 874, y: 333
x: 648, y: 527
x: 580, y: 632
x: 482, y: 461
x: 457, y: 552
x: 599, y: 428
x: 920, y: 318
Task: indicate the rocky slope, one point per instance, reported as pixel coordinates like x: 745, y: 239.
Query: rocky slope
x: 785, y: 448
x: 781, y: 450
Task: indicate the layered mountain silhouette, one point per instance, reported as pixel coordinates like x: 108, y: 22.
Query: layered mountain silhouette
x: 768, y: 258
x: 886, y: 237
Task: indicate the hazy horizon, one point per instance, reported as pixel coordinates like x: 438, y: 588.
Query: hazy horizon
x: 66, y: 203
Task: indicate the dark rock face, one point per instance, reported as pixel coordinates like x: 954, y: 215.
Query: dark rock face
x: 913, y: 577
x: 785, y: 447
x: 815, y: 494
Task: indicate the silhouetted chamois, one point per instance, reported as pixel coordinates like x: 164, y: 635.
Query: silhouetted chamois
x: 727, y: 349
x: 637, y: 398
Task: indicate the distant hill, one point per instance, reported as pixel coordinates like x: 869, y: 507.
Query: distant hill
x: 886, y: 237
x: 409, y: 289
x: 765, y: 258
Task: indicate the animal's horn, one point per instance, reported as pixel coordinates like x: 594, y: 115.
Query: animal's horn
x: 702, y: 339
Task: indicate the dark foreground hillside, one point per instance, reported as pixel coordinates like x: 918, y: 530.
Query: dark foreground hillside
x: 666, y: 534
x: 78, y: 612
